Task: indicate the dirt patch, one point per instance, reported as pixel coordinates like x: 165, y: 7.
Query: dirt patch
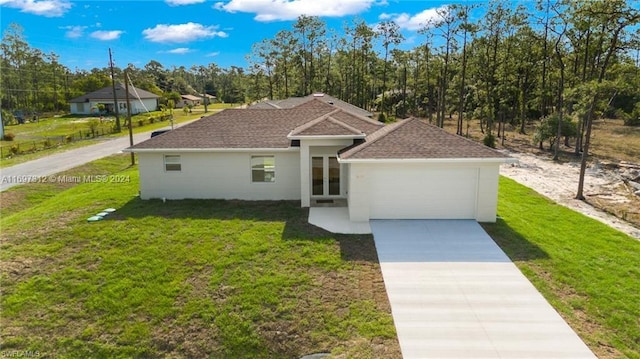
x: 604, y: 186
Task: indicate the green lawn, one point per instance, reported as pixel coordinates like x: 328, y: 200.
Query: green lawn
x: 237, y: 279
x: 588, y: 271
x: 222, y: 279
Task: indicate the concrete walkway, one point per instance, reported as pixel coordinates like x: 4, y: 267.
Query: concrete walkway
x: 455, y: 294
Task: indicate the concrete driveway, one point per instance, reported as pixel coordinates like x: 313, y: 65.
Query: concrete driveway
x: 455, y: 294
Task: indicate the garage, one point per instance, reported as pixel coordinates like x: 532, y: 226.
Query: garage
x: 413, y: 170
x: 418, y: 191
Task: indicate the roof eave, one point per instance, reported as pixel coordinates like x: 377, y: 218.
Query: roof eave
x: 498, y: 160
x: 205, y: 150
x: 325, y: 137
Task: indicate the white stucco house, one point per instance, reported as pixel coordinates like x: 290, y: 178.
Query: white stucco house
x: 317, y: 152
x: 141, y: 101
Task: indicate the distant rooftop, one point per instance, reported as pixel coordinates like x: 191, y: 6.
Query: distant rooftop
x: 296, y: 101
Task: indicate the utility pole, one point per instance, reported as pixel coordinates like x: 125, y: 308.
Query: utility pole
x: 115, y: 96
x: 126, y: 93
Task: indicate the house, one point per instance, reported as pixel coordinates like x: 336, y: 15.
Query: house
x: 208, y: 98
x: 188, y: 100
x: 297, y: 101
x: 141, y: 101
x: 319, y: 152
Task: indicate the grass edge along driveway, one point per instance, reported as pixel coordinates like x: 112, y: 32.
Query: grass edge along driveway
x: 588, y: 271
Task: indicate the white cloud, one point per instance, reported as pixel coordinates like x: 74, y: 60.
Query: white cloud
x: 180, y: 51
x: 47, y: 8
x: 274, y: 10
x: 417, y: 21
x: 183, y: 2
x: 74, y: 32
x: 213, y: 54
x: 182, y: 33
x: 107, y: 35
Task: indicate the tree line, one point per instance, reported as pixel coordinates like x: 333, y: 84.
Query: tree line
x: 563, y: 62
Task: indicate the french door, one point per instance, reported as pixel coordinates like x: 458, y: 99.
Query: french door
x: 325, y: 176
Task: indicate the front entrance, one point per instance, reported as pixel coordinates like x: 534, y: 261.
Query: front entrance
x: 325, y: 176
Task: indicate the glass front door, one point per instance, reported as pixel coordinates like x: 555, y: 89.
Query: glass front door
x: 325, y: 176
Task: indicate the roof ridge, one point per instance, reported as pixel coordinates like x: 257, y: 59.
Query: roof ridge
x: 344, y: 125
x: 311, y: 123
x: 381, y: 133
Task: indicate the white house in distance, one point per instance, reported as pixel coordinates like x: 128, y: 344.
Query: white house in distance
x: 188, y: 100
x: 316, y: 152
x: 141, y: 101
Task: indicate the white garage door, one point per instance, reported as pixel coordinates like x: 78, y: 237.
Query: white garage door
x: 416, y: 191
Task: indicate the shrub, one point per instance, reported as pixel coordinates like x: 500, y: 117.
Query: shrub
x: 140, y: 123
x: 93, y: 125
x: 381, y: 117
x: 47, y: 143
x: 8, y: 136
x: 489, y: 140
x: 15, y: 149
x: 634, y: 118
x: 68, y: 138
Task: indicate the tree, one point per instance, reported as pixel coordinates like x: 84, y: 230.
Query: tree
x: 614, y: 16
x: 389, y: 33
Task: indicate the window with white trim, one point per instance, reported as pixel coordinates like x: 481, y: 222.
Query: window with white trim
x: 263, y: 169
x: 172, y: 163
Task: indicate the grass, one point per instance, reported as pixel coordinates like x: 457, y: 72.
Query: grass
x: 588, y: 271
x: 33, y: 135
x: 197, y: 278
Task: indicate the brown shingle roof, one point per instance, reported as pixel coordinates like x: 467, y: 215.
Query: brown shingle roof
x: 255, y: 128
x: 326, y: 126
x: 292, y: 102
x: 107, y: 94
x: 415, y: 139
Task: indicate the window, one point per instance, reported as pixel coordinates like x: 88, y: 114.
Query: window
x: 172, y: 163
x: 263, y: 169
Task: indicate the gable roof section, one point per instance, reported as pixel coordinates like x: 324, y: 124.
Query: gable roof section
x: 107, y: 94
x: 292, y: 102
x: 234, y: 128
x: 260, y: 128
x: 325, y: 126
x: 415, y: 139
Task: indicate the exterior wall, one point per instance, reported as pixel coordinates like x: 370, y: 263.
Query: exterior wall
x: 413, y: 196
x: 136, y: 106
x: 82, y: 108
x: 309, y: 147
x: 218, y: 175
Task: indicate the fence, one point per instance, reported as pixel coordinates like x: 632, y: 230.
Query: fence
x: 23, y: 147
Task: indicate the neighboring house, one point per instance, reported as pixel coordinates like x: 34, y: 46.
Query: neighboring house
x: 297, y: 101
x: 188, y: 100
x: 208, y: 98
x: 141, y: 101
x: 316, y: 151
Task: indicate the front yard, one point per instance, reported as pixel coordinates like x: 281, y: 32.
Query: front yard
x: 191, y: 279
x: 185, y: 279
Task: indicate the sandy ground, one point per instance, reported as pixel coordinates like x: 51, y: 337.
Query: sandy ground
x: 559, y: 182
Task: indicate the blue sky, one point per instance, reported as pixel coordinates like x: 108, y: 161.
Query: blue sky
x: 187, y: 32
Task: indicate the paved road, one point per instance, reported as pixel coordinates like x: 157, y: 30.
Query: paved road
x: 455, y: 294
x: 45, y: 166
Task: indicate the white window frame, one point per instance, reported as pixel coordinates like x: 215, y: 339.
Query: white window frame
x: 172, y: 160
x: 269, y: 173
